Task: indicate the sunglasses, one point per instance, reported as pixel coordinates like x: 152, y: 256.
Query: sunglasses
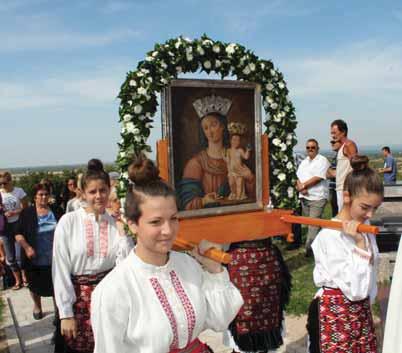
x: 311, y: 148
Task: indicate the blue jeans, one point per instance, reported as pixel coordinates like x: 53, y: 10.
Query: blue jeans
x: 12, y: 249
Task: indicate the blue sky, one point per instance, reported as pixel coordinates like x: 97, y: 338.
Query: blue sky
x: 62, y: 63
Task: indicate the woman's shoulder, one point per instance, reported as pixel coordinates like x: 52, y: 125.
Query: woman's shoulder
x: 184, y: 261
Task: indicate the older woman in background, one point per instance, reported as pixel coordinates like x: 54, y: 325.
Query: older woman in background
x: 35, y: 234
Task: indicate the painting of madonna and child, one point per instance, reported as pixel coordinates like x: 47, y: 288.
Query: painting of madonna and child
x: 214, y: 129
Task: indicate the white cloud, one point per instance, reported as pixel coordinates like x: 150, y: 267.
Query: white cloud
x: 365, y: 69
x: 60, y: 40
x: 94, y: 88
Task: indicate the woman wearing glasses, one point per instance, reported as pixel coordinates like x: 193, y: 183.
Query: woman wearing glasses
x: 312, y: 187
x: 35, y: 234
x: 14, y: 201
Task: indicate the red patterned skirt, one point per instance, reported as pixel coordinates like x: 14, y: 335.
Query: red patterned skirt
x: 337, y: 325
x: 195, y: 346
x: 84, y: 286
x: 259, y: 272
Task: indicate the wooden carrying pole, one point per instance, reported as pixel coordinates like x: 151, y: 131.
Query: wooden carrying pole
x: 324, y: 223
x: 212, y: 253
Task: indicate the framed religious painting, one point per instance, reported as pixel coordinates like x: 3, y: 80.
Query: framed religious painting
x: 213, y: 128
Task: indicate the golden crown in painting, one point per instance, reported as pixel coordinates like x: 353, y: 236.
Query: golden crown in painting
x: 236, y: 128
x: 212, y: 104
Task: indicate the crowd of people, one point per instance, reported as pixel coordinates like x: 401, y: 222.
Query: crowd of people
x: 114, y: 294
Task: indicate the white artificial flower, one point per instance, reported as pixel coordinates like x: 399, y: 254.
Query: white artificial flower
x: 218, y: 63
x: 145, y: 71
x: 130, y: 103
x: 142, y: 91
x: 155, y: 54
x: 132, y: 83
x: 289, y: 165
x: 276, y: 172
x: 262, y: 65
x: 273, y: 72
x: 129, y: 127
x: 149, y: 58
x: 189, y: 57
x: 150, y: 79
x: 163, y: 65
x: 290, y: 192
x: 124, y: 175
x: 200, y: 50
x: 122, y: 184
x: 164, y: 81
x: 281, y: 176
x: 269, y: 99
x: 275, y: 193
x: 277, y: 118
x: 274, y: 106
x: 289, y: 136
x: 283, y: 146
x: 207, y: 64
x: 140, y: 74
x: 288, y: 142
x: 216, y: 48
x: 272, y: 128
x: 170, y: 53
x: 188, y: 40
x: 246, y: 70
x: 178, y: 43
x: 282, y: 114
x: 276, y: 142
x: 232, y: 68
x: 138, y: 109
x: 269, y: 86
x: 271, y: 134
x: 285, y: 158
x: 251, y: 66
x: 127, y: 117
x: 179, y: 69
x: 148, y: 114
x: 287, y: 109
x: 137, y: 138
x: 207, y: 42
x: 230, y: 49
x: 281, y: 85
x: 122, y: 154
x: 189, y: 50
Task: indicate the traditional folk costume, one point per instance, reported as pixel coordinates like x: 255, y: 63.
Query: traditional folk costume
x: 258, y: 270
x: 161, y: 309
x: 340, y: 319
x: 393, y: 329
x: 84, y: 251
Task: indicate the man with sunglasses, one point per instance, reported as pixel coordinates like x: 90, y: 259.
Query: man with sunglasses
x: 312, y: 187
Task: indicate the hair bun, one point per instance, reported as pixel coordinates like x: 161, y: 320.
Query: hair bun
x: 95, y: 165
x: 359, y: 162
x: 143, y: 171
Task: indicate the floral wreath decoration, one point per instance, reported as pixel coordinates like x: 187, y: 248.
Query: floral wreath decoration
x: 138, y: 103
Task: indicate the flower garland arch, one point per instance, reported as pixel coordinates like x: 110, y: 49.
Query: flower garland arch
x: 166, y: 61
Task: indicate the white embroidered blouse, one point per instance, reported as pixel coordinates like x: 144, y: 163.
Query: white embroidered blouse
x: 339, y: 263
x: 83, y: 246
x: 143, y: 308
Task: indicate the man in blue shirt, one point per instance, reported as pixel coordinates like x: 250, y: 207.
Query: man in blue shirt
x: 389, y: 169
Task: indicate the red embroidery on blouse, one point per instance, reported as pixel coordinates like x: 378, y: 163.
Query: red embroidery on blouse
x: 103, y: 230
x: 188, y: 307
x: 89, y: 237
x: 160, y: 293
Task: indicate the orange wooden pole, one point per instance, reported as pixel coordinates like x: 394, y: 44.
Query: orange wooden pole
x: 324, y: 223
x: 212, y: 253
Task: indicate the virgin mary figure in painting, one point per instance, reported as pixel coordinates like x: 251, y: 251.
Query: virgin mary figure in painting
x: 205, y: 175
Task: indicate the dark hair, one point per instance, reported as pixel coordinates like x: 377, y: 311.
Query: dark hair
x: 342, y: 126
x: 386, y: 148
x: 313, y: 140
x: 223, y: 121
x: 145, y: 179
x: 363, y: 178
x: 39, y: 187
x: 95, y: 172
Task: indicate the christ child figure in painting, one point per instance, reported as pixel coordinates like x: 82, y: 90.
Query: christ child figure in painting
x: 234, y: 156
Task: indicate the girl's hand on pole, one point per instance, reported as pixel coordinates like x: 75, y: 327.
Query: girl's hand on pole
x: 210, y: 265
x: 69, y: 327
x: 350, y: 228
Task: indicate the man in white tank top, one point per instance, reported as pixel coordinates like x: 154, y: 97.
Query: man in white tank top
x: 339, y: 132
